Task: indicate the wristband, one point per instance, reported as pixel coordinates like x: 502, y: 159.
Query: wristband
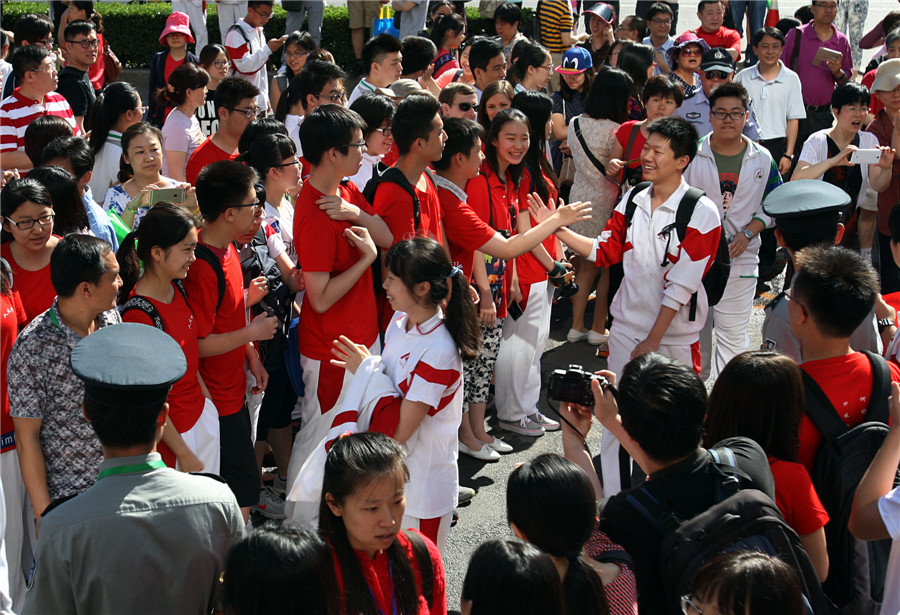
x: 558, y: 270
x: 884, y: 323
x: 788, y: 156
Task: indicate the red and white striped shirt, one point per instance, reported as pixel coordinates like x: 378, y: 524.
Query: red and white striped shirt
x: 18, y: 111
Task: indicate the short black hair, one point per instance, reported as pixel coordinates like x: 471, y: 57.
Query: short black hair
x: 462, y: 135
x: 79, y: 26
x: 662, y: 403
x: 418, y: 52
x: 117, y: 428
x: 32, y: 27
x: 258, y: 128
x: 786, y: 24
x: 327, y: 127
x: 18, y: 191
x: 850, y: 93
x: 221, y: 185
x: 508, y: 12
x: 662, y: 86
x: 658, y: 7
x: 609, y: 94
x: 26, y: 58
x: 767, y: 31
x: 74, y: 149
x: 232, y: 90
x: 483, y: 51
x: 413, y: 120
x: 375, y: 110
x: 730, y: 90
x: 310, y: 81
x: 836, y: 286
x: 682, y: 135
x: 377, y: 47
x: 702, y: 4
x: 76, y: 259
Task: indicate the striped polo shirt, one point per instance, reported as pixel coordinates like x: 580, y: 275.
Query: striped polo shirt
x: 18, y: 111
x: 554, y: 18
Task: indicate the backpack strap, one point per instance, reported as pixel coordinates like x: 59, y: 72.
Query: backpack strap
x: 682, y: 219
x: 631, y: 138
x: 203, y: 252
x: 394, y: 176
x: 587, y: 150
x: 630, y: 205
x: 881, y: 388
x: 726, y: 463
x: 426, y: 566
x: 616, y: 556
x: 820, y: 410
x: 652, y: 510
x: 795, y: 52
x: 487, y: 183
x: 142, y: 304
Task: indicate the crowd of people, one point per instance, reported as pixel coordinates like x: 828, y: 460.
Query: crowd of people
x: 339, y: 270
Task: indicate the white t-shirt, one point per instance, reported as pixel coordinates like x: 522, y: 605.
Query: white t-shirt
x: 425, y: 365
x: 292, y: 124
x: 106, y: 164
x: 889, y: 508
x: 281, y: 219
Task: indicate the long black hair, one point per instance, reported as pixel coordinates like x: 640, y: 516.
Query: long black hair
x: 71, y: 216
x: 636, y: 60
x: 354, y: 462
x: 165, y: 225
x: 422, y: 259
x: 537, y: 107
x: 503, y: 117
x: 114, y: 100
x: 445, y: 24
x: 551, y: 501
x: 532, y: 55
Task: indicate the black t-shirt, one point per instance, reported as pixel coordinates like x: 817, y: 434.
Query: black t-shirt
x: 208, y: 115
x: 75, y: 86
x: 688, y: 488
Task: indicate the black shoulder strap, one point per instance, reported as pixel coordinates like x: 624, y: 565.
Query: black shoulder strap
x: 586, y: 149
x: 686, y: 210
x: 616, y: 556
x: 203, y: 252
x: 881, y: 388
x: 630, y: 205
x: 239, y: 29
x: 142, y: 304
x: 394, y: 176
x: 631, y: 137
x: 795, y: 52
x: 821, y: 411
x: 730, y: 474
x: 426, y: 566
x: 487, y: 183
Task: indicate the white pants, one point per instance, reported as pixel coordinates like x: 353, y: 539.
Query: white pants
x: 615, y: 465
x: 730, y: 317
x: 203, y: 438
x: 517, y: 373
x: 18, y: 532
x: 197, y: 14
x: 229, y: 12
x: 443, y: 529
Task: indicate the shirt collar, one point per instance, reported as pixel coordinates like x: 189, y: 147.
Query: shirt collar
x: 116, y: 462
x: 446, y: 184
x: 423, y: 328
x: 755, y: 74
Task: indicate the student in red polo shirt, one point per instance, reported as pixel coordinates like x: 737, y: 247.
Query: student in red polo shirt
x: 230, y: 211
x: 711, y: 14
x: 332, y: 227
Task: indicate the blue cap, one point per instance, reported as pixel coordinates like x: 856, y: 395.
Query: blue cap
x: 574, y: 61
x: 128, y: 366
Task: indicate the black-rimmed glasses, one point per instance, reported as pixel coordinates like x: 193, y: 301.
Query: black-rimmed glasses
x: 249, y: 113
x: 28, y: 223
x: 87, y: 43
x: 335, y: 98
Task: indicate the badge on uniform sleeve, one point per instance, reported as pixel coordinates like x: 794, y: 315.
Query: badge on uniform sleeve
x: 768, y: 344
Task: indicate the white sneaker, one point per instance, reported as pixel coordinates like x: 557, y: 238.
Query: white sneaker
x: 525, y: 427
x: 543, y: 421
x: 595, y: 339
x: 574, y: 335
x: 270, y: 505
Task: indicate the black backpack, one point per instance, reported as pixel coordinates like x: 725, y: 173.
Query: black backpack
x: 716, y: 277
x: 740, y: 520
x: 857, y: 569
x: 142, y: 304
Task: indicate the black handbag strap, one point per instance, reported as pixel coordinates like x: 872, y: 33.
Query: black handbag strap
x: 587, y: 150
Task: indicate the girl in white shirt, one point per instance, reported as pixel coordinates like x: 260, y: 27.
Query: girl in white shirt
x: 118, y: 106
x: 378, y: 113
x: 424, y: 348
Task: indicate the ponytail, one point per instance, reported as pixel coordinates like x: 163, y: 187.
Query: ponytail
x: 129, y: 266
x: 114, y: 100
x: 583, y: 591
x: 462, y: 319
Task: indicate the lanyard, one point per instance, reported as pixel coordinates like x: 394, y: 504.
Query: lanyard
x: 136, y: 467
x: 393, y: 595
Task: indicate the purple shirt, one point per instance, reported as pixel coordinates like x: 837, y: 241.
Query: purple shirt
x: 817, y: 80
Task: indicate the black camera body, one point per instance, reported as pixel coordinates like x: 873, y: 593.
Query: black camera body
x: 573, y: 385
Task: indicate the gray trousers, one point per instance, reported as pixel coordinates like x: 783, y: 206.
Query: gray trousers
x: 312, y: 11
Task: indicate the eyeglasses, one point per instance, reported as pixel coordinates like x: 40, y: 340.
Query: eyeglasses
x: 28, y: 223
x: 385, y: 131
x: 548, y: 67
x: 789, y: 293
x: 249, y: 113
x: 47, y: 42
x: 721, y: 75
x: 733, y: 115
x: 467, y: 106
x: 346, y: 148
x: 92, y: 43
x: 360, y: 144
x: 287, y: 164
x: 257, y: 205
x: 688, y: 607
x: 221, y: 63
x: 661, y: 22
x: 335, y: 98
x: 51, y: 68
x: 263, y: 15
x: 295, y: 54
x: 142, y: 110
x: 691, y: 51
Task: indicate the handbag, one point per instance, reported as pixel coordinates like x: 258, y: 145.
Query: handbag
x: 112, y: 67
x: 385, y: 23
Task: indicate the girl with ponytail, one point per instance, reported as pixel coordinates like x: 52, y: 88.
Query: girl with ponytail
x: 164, y: 243
x: 434, y: 329
x: 550, y: 503
x: 118, y: 106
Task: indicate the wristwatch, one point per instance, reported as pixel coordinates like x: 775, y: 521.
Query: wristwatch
x: 748, y: 234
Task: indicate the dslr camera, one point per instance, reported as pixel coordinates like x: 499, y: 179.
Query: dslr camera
x: 573, y: 385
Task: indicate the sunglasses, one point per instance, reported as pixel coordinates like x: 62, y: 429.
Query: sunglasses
x: 717, y: 74
x: 691, y: 51
x: 466, y: 106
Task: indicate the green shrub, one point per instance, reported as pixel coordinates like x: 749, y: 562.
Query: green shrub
x: 133, y: 30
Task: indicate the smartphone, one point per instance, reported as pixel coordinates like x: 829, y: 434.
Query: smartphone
x: 865, y: 156
x: 515, y: 310
x: 171, y: 195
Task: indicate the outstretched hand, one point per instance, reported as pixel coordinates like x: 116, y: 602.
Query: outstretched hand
x: 349, y: 354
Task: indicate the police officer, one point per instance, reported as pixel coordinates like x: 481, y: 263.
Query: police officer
x: 808, y: 212
x: 145, y: 538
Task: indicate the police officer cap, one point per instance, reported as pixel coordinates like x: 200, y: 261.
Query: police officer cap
x: 803, y: 198
x: 128, y: 366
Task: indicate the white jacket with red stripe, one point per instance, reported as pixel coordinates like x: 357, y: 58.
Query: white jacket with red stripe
x: 249, y: 53
x: 642, y: 247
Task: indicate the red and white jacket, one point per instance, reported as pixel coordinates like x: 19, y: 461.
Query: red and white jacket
x: 249, y: 53
x: 641, y: 249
